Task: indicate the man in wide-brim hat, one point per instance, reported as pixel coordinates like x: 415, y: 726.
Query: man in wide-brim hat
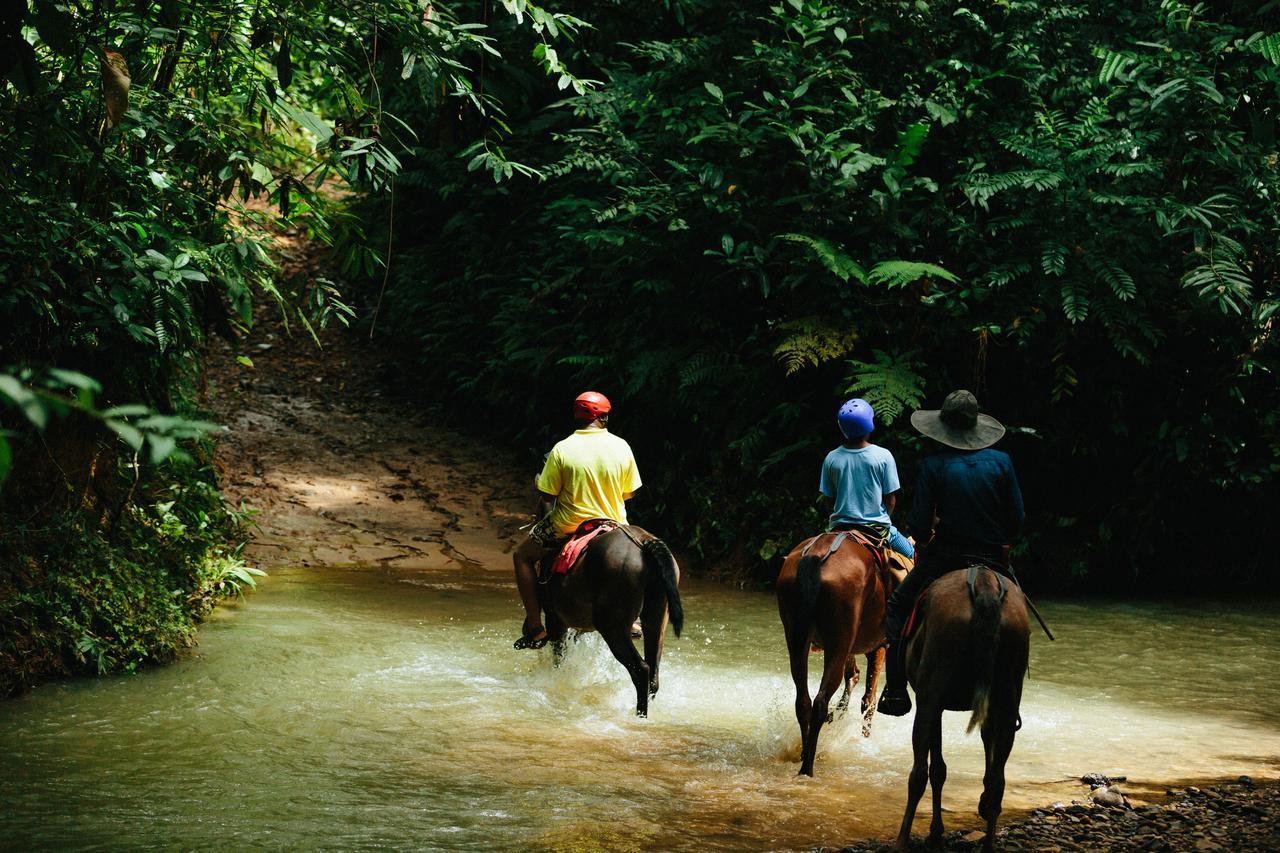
x: 972, y: 492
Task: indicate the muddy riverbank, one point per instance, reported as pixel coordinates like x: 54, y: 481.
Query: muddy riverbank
x: 1232, y: 816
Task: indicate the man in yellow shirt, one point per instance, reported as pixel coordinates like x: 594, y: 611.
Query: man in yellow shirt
x: 590, y: 474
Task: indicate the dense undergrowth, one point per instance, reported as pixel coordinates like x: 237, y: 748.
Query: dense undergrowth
x: 147, y: 152
x: 1071, y: 207
x: 82, y: 596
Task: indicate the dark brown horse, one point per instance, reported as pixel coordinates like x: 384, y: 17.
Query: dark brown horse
x: 622, y: 575
x: 969, y: 654
x: 840, y: 604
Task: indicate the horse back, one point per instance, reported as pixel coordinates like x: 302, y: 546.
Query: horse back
x: 851, y: 592
x: 940, y: 655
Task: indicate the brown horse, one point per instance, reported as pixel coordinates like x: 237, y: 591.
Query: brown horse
x: 623, y: 574
x: 969, y: 654
x: 840, y: 603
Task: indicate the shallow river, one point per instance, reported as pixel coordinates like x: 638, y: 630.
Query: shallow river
x: 360, y: 709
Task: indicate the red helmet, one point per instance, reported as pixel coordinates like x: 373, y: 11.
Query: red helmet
x: 590, y: 405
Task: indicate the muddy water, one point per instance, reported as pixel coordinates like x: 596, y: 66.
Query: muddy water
x: 361, y: 708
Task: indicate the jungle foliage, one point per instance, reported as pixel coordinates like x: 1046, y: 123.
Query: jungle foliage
x: 147, y: 150
x: 749, y: 212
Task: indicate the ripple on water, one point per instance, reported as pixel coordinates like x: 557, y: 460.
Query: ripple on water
x: 372, y: 712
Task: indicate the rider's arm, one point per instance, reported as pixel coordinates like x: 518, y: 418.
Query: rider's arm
x: 921, y: 520
x: 828, y: 479
x: 889, y: 483
x: 1017, y: 514
x: 633, y: 482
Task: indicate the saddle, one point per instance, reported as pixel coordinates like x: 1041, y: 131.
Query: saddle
x: 891, y: 565
x: 971, y: 577
x: 570, y: 553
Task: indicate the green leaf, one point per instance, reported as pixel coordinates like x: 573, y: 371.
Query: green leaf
x: 714, y: 90
x: 833, y: 257
x: 1269, y: 47
x: 25, y: 399
x: 910, y: 142
x: 130, y: 434
x: 161, y: 446
x: 893, y: 274
x: 72, y: 379
x: 261, y: 174
x: 284, y: 64
x: 6, y: 459
x: 132, y: 410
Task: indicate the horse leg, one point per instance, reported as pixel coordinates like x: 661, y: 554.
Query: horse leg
x: 836, y: 653
x: 850, y: 679
x: 798, y: 652
x: 653, y: 624
x: 937, y: 778
x: 557, y: 635
x: 618, y: 637
x: 997, y: 738
x: 875, y: 665
x: 921, y: 737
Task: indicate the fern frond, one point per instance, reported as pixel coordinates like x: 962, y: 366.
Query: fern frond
x: 157, y: 305
x: 1120, y: 282
x: 1075, y: 300
x: 813, y: 341
x: 1053, y: 258
x: 999, y: 276
x: 902, y: 273
x: 979, y: 188
x: 890, y: 384
x: 1114, y: 64
x: 704, y: 366
x: 1269, y: 47
x: 1222, y: 280
x: 833, y: 257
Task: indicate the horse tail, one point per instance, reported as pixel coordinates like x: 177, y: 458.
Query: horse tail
x: 808, y: 585
x: 657, y: 553
x: 984, y: 644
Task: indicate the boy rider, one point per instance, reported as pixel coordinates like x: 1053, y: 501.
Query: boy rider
x: 862, y: 478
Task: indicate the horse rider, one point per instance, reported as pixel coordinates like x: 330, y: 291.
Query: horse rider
x: 589, y: 474
x: 972, y: 493
x: 861, y: 478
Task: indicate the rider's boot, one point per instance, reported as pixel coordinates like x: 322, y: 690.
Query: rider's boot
x: 894, y: 701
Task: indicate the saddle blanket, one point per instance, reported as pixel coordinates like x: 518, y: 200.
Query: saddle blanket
x: 572, y: 550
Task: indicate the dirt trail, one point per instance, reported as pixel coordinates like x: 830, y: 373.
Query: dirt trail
x: 341, y: 474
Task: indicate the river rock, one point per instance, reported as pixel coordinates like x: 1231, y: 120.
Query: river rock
x: 1112, y: 797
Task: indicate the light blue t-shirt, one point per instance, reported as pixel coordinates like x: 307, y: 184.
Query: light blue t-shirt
x: 858, y: 480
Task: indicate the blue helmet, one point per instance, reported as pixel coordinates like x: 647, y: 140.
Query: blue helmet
x: 856, y: 418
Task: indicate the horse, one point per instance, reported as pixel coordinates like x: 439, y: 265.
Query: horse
x: 623, y: 574
x: 841, y: 603
x: 969, y: 654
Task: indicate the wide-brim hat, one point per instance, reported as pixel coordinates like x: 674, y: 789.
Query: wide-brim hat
x: 958, y: 423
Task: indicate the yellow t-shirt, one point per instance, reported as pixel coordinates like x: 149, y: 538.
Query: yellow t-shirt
x: 591, y: 474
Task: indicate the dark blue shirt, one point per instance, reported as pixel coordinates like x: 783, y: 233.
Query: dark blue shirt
x: 973, y: 493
